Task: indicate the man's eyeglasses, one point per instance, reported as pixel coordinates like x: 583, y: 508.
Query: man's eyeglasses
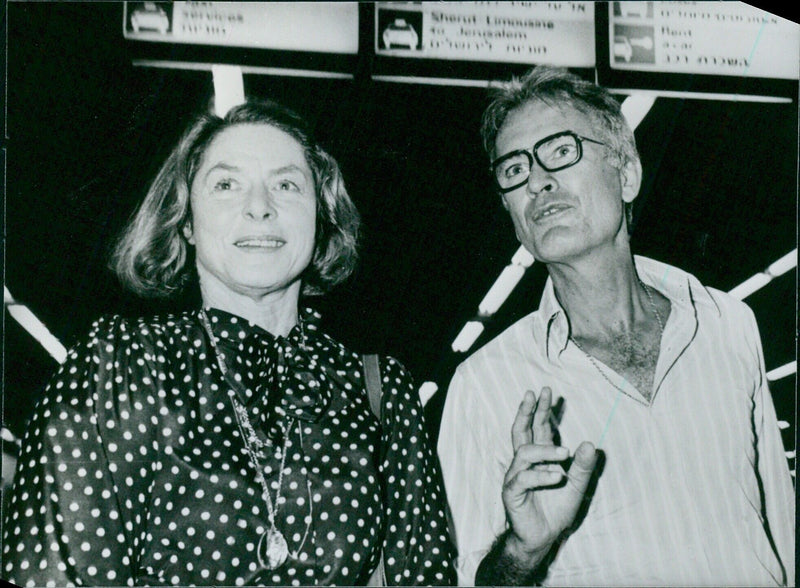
x: 552, y: 153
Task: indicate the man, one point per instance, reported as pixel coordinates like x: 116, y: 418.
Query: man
x: 678, y: 474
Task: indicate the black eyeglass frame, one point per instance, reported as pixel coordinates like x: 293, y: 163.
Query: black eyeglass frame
x: 532, y: 155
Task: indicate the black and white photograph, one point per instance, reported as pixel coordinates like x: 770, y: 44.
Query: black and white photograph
x: 399, y: 293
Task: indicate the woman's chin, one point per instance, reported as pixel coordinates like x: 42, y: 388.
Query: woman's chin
x: 260, y: 288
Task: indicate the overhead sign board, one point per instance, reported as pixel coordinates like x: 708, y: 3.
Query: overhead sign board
x: 712, y: 38
x: 555, y: 33
x: 321, y: 27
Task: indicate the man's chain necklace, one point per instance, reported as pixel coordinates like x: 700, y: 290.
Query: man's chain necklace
x: 594, y: 361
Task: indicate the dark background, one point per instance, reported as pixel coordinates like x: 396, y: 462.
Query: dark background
x: 86, y: 130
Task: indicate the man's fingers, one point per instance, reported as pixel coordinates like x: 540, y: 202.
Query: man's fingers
x: 530, y: 455
x: 582, y: 467
x: 517, y: 487
x: 521, y: 429
x: 542, y: 418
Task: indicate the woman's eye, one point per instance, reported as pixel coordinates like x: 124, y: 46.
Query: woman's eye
x: 288, y: 185
x: 225, y: 185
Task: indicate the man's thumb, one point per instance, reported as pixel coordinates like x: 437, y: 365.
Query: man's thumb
x: 583, y: 464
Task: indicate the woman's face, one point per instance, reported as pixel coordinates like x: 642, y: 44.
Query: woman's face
x: 253, y: 206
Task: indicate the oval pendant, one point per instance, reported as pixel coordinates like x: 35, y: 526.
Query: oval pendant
x: 272, y: 549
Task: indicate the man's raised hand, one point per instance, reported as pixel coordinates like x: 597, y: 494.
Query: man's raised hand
x: 541, y: 498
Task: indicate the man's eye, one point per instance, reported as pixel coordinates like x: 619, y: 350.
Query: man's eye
x: 564, y: 151
x: 516, y: 169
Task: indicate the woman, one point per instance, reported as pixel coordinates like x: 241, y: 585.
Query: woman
x: 232, y: 444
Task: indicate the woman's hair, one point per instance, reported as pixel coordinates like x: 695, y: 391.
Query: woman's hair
x: 557, y: 88
x: 150, y: 257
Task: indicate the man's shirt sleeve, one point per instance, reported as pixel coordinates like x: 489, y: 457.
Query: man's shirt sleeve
x: 773, y: 469
x: 473, y: 473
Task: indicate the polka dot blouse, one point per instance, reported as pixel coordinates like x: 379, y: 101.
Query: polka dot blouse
x: 133, y: 470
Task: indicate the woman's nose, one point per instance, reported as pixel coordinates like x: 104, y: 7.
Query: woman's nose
x: 259, y: 204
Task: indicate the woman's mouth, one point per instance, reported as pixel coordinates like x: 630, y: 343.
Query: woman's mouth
x: 260, y: 243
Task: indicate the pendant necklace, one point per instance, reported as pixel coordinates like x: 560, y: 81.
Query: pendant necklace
x: 272, y: 550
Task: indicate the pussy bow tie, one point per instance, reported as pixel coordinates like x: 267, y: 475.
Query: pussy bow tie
x: 281, y: 377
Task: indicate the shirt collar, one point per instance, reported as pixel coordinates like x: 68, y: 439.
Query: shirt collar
x: 556, y: 325
x: 682, y: 289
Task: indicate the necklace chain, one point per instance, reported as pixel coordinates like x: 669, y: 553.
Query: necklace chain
x: 596, y: 365
x: 255, y: 446
x: 654, y: 307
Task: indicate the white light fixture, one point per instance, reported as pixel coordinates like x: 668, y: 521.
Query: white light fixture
x: 7, y: 436
x: 635, y: 107
x: 468, y: 335
x: 783, y: 371
x: 426, y: 391
x: 522, y: 257
x: 228, y: 88
x: 502, y: 287
x: 23, y: 315
x: 761, y: 279
x: 783, y: 265
x: 750, y: 285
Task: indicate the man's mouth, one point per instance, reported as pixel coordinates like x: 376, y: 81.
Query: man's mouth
x: 260, y: 243
x: 549, y: 211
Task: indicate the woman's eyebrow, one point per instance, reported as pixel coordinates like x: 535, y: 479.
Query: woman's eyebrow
x: 223, y: 166
x: 289, y: 168
x: 230, y: 167
x: 220, y: 166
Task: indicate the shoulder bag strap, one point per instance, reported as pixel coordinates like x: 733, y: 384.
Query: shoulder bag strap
x: 372, y: 379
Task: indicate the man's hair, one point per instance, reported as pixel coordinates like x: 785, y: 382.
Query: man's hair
x: 557, y: 87
x: 151, y: 255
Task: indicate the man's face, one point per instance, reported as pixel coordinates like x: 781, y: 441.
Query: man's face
x: 565, y: 215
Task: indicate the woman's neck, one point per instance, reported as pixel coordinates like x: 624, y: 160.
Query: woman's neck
x: 276, y: 312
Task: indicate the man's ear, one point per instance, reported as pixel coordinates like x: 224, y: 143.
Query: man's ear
x: 188, y: 232
x: 631, y: 179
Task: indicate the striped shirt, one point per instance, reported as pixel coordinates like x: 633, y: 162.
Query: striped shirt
x: 679, y: 500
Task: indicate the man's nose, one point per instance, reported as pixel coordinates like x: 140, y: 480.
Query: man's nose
x: 539, y: 180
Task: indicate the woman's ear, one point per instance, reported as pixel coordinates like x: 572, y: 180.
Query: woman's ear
x: 631, y: 179
x: 188, y: 232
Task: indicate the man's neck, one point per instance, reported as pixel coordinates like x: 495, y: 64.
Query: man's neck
x: 613, y: 318
x: 601, y: 295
